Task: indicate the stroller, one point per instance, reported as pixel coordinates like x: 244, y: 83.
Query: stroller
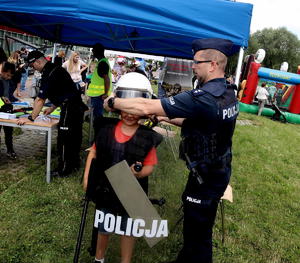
x: 278, y: 115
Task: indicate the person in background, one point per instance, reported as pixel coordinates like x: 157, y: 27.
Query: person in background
x: 59, y: 88
x: 15, y: 59
x: 207, y: 116
x: 23, y: 57
x: 271, y: 90
x: 60, y: 58
x: 119, y: 68
x: 101, y: 82
x: 75, y: 66
x: 7, y: 89
x: 278, y: 96
x: 3, y: 57
x: 262, y: 97
x: 136, y: 67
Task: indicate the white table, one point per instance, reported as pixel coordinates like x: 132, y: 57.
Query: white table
x: 48, y: 127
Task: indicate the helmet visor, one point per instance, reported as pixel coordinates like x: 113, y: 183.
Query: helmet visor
x: 131, y: 93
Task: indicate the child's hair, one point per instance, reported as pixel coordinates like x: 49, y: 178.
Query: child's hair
x: 9, y: 67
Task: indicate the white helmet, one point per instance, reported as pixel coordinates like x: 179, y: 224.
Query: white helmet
x: 133, y: 85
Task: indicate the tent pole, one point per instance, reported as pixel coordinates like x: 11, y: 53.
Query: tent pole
x: 239, y: 66
x: 54, y: 52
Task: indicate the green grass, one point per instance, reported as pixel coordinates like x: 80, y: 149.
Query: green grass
x: 39, y: 222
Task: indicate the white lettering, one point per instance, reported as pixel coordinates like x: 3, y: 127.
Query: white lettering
x: 99, y: 218
x: 153, y: 230
x: 224, y: 114
x: 109, y: 222
x: 230, y: 112
x: 118, y: 226
x: 128, y: 227
x: 162, y: 229
x: 135, y: 228
x: 193, y: 200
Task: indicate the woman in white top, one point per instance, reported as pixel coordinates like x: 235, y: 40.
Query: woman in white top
x: 262, y: 97
x: 75, y: 66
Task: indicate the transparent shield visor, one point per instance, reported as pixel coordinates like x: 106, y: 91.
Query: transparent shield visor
x: 131, y: 93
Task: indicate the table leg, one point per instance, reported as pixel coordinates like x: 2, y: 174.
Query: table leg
x: 48, y: 168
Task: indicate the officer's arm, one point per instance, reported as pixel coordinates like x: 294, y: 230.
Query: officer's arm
x: 91, y: 156
x: 37, y: 107
x: 138, y: 106
x: 176, y: 121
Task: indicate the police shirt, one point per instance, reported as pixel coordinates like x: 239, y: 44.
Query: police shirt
x: 210, y: 113
x: 201, y: 104
x: 57, y: 85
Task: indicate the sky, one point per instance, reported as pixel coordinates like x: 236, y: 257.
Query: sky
x: 275, y: 13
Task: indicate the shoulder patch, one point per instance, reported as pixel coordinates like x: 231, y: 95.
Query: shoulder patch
x: 171, y: 100
x: 198, y: 92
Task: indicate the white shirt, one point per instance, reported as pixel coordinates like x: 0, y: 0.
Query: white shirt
x: 262, y: 93
x: 76, y: 74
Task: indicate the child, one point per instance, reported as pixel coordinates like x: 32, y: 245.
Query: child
x: 118, y: 140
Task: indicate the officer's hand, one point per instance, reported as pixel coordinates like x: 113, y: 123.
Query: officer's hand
x: 22, y: 121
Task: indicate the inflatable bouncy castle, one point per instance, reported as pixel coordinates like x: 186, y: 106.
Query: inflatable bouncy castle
x: 286, y: 85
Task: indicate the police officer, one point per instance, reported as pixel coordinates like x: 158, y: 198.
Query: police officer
x: 207, y: 116
x: 59, y: 88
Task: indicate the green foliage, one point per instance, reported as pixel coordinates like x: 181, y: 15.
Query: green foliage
x: 39, y: 222
x: 280, y: 45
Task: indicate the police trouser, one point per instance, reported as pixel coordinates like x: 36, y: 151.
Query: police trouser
x: 69, y: 136
x: 8, y: 132
x: 199, y: 217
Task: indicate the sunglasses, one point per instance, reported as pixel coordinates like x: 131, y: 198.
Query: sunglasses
x: 201, y: 61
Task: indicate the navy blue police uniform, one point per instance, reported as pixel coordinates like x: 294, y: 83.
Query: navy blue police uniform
x: 210, y: 114
x: 58, y: 87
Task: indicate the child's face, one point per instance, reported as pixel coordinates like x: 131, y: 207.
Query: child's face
x: 129, y: 119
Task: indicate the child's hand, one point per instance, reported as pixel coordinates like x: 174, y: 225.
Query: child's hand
x: 136, y: 168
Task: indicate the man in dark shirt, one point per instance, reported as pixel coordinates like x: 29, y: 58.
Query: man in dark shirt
x: 207, y: 116
x: 101, y: 81
x: 58, y: 87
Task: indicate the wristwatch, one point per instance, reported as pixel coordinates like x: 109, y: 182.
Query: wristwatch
x: 111, y: 102
x: 30, y: 117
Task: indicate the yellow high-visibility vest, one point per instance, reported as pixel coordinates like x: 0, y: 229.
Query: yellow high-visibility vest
x: 96, y: 87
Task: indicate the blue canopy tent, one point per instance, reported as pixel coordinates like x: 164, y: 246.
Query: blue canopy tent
x: 155, y: 27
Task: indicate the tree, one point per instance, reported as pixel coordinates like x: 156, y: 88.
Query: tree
x: 280, y: 45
